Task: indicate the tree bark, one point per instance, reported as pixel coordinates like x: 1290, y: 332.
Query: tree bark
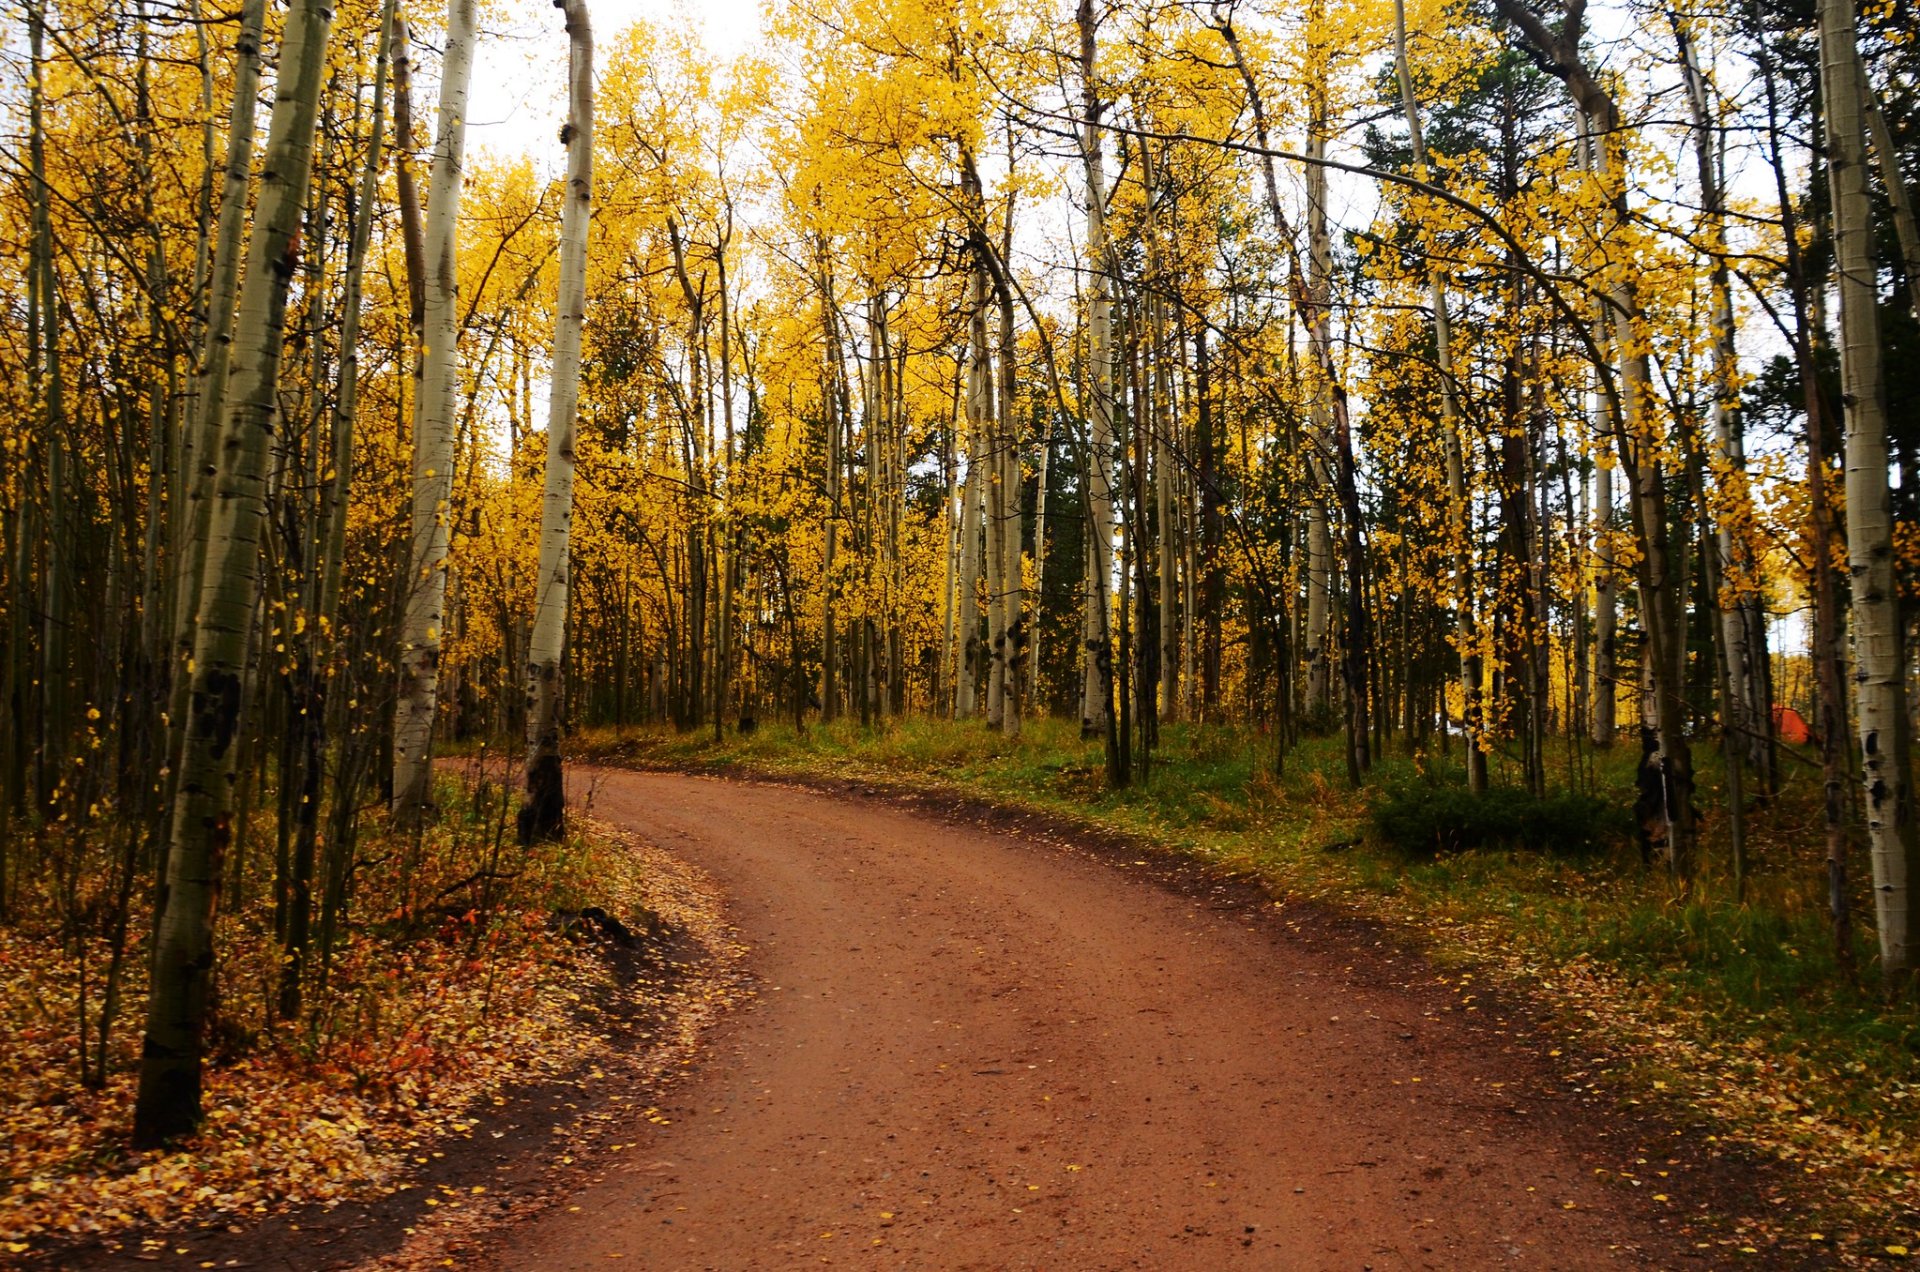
x: 1879, y: 653
x: 168, y: 1105
x: 1460, y: 512
x: 543, y: 815
x: 1634, y: 434
x: 423, y: 623
x: 1096, y: 687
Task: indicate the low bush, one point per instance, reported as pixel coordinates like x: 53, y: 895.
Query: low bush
x: 1430, y: 819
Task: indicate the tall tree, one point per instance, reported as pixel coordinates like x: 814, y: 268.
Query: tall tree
x: 1878, y: 645
x: 203, y: 822
x: 544, y: 810
x: 423, y: 625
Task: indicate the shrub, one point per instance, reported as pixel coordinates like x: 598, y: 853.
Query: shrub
x: 1432, y: 819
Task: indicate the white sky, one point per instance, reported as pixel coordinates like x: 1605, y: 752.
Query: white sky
x: 519, y: 71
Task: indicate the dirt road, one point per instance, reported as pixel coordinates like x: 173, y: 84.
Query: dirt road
x: 973, y: 1049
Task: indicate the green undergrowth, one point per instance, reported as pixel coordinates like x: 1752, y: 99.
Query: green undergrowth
x: 1736, y: 1010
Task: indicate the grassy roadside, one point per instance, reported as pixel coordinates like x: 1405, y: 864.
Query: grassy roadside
x: 1735, y: 1014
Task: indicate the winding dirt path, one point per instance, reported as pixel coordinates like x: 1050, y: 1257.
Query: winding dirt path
x: 978, y: 1049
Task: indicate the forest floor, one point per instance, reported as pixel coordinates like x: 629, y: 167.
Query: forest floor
x: 452, y: 1070
x: 1721, y: 1020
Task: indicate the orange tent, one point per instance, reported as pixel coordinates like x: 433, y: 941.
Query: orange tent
x: 1790, y: 726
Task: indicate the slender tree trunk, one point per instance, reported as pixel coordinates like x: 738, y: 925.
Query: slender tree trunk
x: 406, y: 190
x: 200, y: 441
x: 1319, y: 430
x: 1879, y: 651
x: 1748, y: 722
x: 836, y: 425
x: 1030, y: 642
x: 1635, y: 437
x: 423, y: 625
x: 1828, y: 675
x: 1460, y: 512
x: 973, y: 495
x: 1606, y: 604
x: 1012, y: 481
x: 950, y: 531
x: 544, y: 813
x: 1096, y: 688
x: 995, y: 487
x: 1161, y: 446
x: 168, y: 1105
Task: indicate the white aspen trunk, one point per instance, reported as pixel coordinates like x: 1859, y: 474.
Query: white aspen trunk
x: 1012, y: 589
x: 168, y: 1105
x: 422, y: 626
x: 1095, y: 626
x: 1320, y: 429
x: 200, y: 441
x: 543, y: 815
x: 829, y: 631
x: 994, y: 491
x: 1606, y: 602
x: 1877, y: 644
x: 950, y: 538
x: 833, y: 411
x: 880, y: 448
x: 1746, y: 723
x: 1160, y: 422
x: 1162, y: 446
x: 1032, y: 690
x: 1461, y: 512
x: 968, y: 637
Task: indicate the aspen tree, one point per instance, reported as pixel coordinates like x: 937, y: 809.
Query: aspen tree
x: 406, y: 189
x: 1633, y: 429
x: 836, y: 427
x: 1878, y: 647
x: 1012, y: 586
x: 1315, y: 314
x: 543, y: 813
x: 422, y: 630
x: 973, y: 494
x: 201, y: 439
x: 1460, y: 514
x: 994, y: 491
x: 168, y: 1104
x: 1745, y: 728
x: 1162, y: 445
x: 1096, y: 685
x: 1606, y: 604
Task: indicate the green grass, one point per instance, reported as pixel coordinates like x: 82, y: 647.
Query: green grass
x: 1738, y: 1008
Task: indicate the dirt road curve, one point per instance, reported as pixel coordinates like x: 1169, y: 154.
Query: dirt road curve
x: 973, y: 1050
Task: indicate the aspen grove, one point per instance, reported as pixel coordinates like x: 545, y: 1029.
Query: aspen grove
x: 1504, y: 383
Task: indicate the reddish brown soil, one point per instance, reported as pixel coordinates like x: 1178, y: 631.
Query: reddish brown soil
x: 979, y: 1048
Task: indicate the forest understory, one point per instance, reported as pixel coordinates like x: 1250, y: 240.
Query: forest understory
x: 469, y: 996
